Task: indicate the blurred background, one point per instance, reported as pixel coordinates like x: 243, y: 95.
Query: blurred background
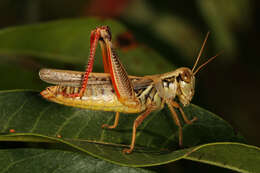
x: 229, y: 86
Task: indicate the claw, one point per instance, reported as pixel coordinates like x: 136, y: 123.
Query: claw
x: 127, y: 151
x: 105, y: 126
x: 193, y: 119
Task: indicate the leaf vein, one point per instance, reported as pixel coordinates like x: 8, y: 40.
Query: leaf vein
x: 21, y: 160
x: 12, y: 116
x: 38, y: 118
x: 81, y: 129
x: 75, y: 114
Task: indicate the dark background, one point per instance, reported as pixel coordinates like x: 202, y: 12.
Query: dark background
x: 229, y: 86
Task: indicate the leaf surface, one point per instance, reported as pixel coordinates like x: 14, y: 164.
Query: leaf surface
x: 209, y: 140
x: 54, y: 160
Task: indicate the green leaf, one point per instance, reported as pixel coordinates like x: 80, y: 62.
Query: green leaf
x: 235, y: 156
x: 45, y: 161
x: 37, y: 120
x: 69, y: 41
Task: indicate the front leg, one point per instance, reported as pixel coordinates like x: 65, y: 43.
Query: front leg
x: 172, y: 105
x: 186, y: 120
x: 176, y: 120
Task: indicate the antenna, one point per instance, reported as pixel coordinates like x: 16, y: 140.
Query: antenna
x: 205, y: 63
x: 200, y: 52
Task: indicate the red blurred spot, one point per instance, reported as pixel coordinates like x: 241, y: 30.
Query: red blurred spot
x: 12, y: 131
x: 126, y: 41
x: 106, y: 8
x: 58, y: 136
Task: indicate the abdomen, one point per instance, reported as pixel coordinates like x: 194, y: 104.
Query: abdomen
x: 96, y: 97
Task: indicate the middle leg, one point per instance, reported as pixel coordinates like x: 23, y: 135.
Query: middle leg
x: 115, y: 122
x: 137, y: 122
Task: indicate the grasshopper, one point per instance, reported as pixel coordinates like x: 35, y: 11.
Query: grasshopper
x: 116, y: 91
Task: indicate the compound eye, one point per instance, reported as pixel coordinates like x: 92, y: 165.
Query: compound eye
x: 186, y: 76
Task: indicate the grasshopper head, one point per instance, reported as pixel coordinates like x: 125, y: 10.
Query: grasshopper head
x: 186, y: 85
x: 186, y: 78
x: 180, y: 83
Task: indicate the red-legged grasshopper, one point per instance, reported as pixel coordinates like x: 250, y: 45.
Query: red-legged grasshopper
x: 115, y: 91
